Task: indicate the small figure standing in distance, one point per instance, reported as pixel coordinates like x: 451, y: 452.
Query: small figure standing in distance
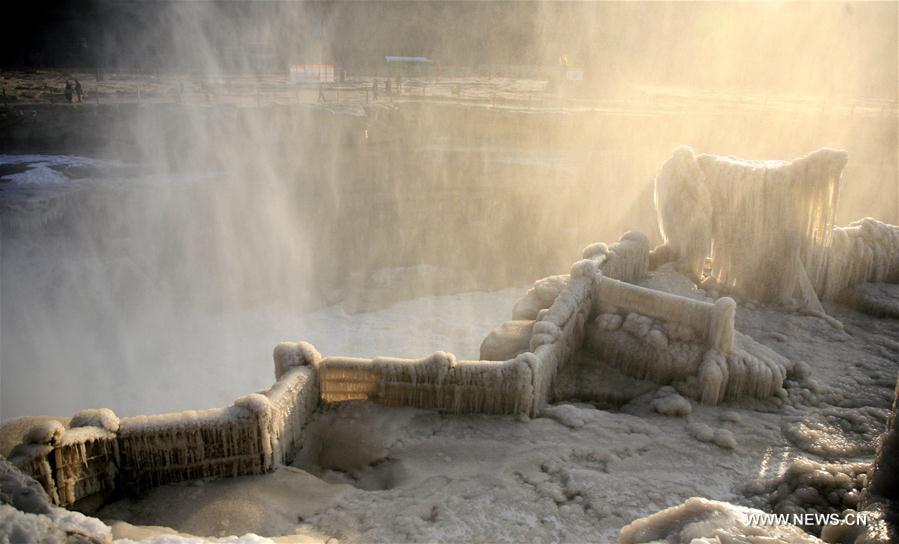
x: 69, y: 90
x: 387, y: 86
x: 374, y: 89
x: 79, y: 91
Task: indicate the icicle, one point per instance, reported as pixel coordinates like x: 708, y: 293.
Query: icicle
x: 744, y: 214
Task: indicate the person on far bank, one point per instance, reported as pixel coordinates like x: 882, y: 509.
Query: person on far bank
x: 79, y: 91
x: 69, y: 90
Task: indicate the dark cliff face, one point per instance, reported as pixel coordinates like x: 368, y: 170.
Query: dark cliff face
x: 885, y: 476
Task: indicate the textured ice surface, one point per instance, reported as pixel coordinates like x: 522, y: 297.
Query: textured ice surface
x: 810, y: 487
x: 701, y: 521
x: 57, y: 527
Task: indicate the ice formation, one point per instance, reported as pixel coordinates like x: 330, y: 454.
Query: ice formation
x: 701, y: 521
x: 865, y: 251
x: 668, y: 403
x: 744, y: 215
x: 288, y: 355
x: 810, y: 487
x: 437, y: 382
x: 20, y: 491
x: 59, y: 528
x: 726, y: 210
x: 100, y: 454
x: 507, y: 340
x: 667, y: 338
x: 723, y: 438
x: 49, y: 432
x: 103, y: 418
x: 837, y: 433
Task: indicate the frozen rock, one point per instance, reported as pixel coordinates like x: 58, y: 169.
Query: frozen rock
x: 527, y: 307
x: 679, y: 332
x: 672, y: 405
x: 547, y: 289
x: 609, y: 322
x: 47, y: 432
x: 636, y: 324
x: 657, y: 339
x: 566, y: 414
x: 809, y: 486
x: 103, y: 418
x: 507, y: 340
x: 837, y: 433
x: 594, y: 250
x: 724, y: 439
x: 21, y: 491
x: 883, y: 490
x: 702, y: 521
x: 700, y: 431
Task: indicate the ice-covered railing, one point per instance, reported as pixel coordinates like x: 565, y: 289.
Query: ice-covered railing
x: 666, y: 338
x: 165, y: 448
x: 72, y: 463
x: 100, y: 455
x: 713, y: 322
x: 865, y: 251
x: 293, y: 397
x: 437, y: 382
x: 519, y: 384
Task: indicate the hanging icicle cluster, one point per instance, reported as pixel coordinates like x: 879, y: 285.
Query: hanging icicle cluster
x: 167, y: 448
x: 293, y: 398
x: 866, y: 250
x: 72, y: 463
x: 746, y: 215
x: 99, y: 451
